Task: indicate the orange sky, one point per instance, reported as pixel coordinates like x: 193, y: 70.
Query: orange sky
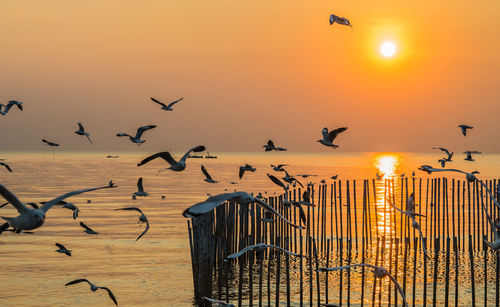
x: 249, y: 71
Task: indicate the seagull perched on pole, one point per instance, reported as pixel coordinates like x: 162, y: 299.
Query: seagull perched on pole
x: 244, y: 168
x: 259, y: 248
x: 142, y: 219
x: 6, y: 166
x: 378, y: 271
x: 270, y: 146
x: 81, y: 131
x: 208, y: 178
x: 174, y: 165
x: 243, y: 198
x: 464, y: 129
x: 328, y: 137
x: 469, y: 154
x: 94, y: 288
x: 137, y: 138
x: 28, y: 218
x: 164, y: 106
x: 9, y: 105
x: 340, y: 20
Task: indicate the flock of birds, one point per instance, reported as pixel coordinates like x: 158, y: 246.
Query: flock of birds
x: 31, y: 216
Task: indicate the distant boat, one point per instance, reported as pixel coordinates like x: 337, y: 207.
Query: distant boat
x: 208, y: 156
x: 195, y: 156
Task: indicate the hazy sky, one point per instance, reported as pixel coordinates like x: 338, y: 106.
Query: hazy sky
x: 249, y: 71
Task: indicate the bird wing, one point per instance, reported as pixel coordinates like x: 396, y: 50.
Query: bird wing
x: 54, y: 201
x: 85, y: 226
x: 6, y: 166
x: 78, y: 281
x: 332, y: 19
x: 198, y: 148
x: 269, y: 208
x: 270, y: 143
x: 324, y: 131
x: 111, y: 296
x: 131, y: 208
x: 392, y: 205
x: 333, y: 134
x: 276, y: 181
x: 60, y: 246
x: 338, y: 268
x: 283, y: 250
x: 422, y: 242
x: 400, y: 290
x: 160, y: 103
x: 11, y: 198
x: 302, y: 214
x: 75, y: 213
x: 207, y: 175
x: 242, y: 172
x: 209, y: 204
x: 4, y: 204
x: 80, y: 127
x: 123, y: 134
x: 164, y: 155
x: 140, y: 188
x: 246, y: 249
x: 88, y: 138
x: 174, y: 102
x: 142, y: 129
x: 144, y: 232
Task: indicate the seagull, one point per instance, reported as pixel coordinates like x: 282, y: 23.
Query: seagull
x: 137, y: 138
x: 340, y: 20
x: 291, y: 179
x: 464, y: 129
x: 449, y: 155
x: 219, y: 303
x: 164, y: 106
x: 29, y: 219
x: 174, y: 165
x: 62, y: 249
x: 270, y: 146
x: 469, y: 155
x: 378, y: 271
x: 81, y: 131
x: 52, y: 144
x: 259, y: 248
x: 416, y: 226
x: 88, y: 230
x: 335, y: 177
x: 140, y: 189
x: 244, y: 168
x: 443, y: 162
x: 379, y: 176
x: 328, y: 137
x: 94, y: 288
x: 277, y: 182
x: 6, y: 166
x: 305, y: 175
x: 208, y: 178
x: 279, y: 167
x: 9, y: 105
x: 243, y: 198
x: 69, y: 206
x: 142, y: 219
x: 298, y: 204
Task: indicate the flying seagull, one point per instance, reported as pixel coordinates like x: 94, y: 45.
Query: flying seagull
x: 448, y: 154
x: 329, y: 137
x: 270, y: 146
x: 28, y: 218
x: 140, y: 189
x: 52, y: 144
x: 62, y: 249
x: 174, y: 165
x: 88, y: 230
x: 94, y: 288
x: 244, y: 168
x: 208, y: 178
x: 137, y: 138
x: 340, y: 20
x: 464, y: 129
x: 259, y: 248
x: 142, y: 219
x: 291, y: 179
x: 279, y: 167
x: 378, y: 271
x: 278, y: 182
x: 410, y: 212
x: 243, y: 198
x: 9, y: 105
x: 219, y: 303
x: 469, y: 154
x: 6, y: 166
x: 164, y: 106
x: 81, y: 131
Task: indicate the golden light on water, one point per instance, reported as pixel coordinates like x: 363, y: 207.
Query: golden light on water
x: 386, y: 166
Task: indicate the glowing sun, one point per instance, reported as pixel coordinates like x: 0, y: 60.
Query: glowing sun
x: 388, y: 49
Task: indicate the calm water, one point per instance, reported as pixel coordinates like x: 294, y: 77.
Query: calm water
x: 156, y: 270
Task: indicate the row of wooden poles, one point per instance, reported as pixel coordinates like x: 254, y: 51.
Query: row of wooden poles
x: 351, y: 223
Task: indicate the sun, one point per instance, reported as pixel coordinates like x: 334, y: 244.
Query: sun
x: 388, y: 49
